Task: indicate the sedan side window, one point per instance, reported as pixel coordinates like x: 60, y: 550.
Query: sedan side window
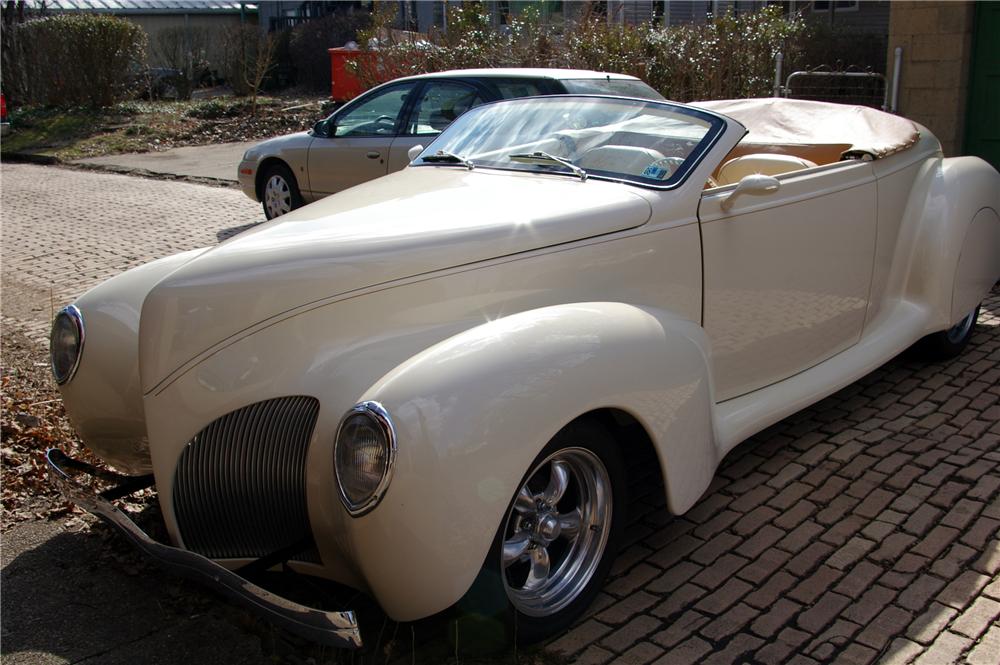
x: 376, y: 116
x: 439, y: 105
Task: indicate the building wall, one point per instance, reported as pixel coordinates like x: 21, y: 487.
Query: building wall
x: 937, y: 45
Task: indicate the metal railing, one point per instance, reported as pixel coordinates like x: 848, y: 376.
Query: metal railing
x: 850, y: 85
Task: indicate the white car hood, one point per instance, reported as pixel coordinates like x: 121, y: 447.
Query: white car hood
x: 417, y: 221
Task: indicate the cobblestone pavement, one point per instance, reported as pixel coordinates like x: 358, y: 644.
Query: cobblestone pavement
x: 863, y: 529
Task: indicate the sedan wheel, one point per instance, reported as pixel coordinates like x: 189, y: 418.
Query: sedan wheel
x: 948, y: 343
x: 280, y: 194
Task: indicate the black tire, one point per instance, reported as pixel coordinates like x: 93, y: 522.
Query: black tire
x: 949, y: 343
x: 279, y: 191
x: 500, y: 607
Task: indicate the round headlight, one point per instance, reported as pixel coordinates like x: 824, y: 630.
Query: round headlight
x: 66, y: 343
x: 363, y: 456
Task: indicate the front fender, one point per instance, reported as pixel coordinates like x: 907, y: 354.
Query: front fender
x: 474, y: 410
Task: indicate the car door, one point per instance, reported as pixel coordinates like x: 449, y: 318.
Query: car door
x: 437, y: 104
x: 786, y: 274
x: 356, y: 147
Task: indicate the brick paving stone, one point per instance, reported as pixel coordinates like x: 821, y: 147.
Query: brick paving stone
x: 810, y: 588
x: 640, y: 654
x: 877, y: 530
x: 628, y: 607
x: 921, y: 590
x: 947, y: 648
x: 926, y: 627
x: 713, y: 549
x: 688, y: 653
x: 774, y: 617
x: 826, y: 609
x: 900, y: 652
x: 808, y: 558
x: 840, y: 532
x: 853, y: 551
x: 775, y: 588
x: 801, y: 536
x: 730, y: 623
x: 989, y: 562
x: 680, y: 629
x: 789, y: 496
x: 580, y: 637
x: 761, y: 541
x: 673, y: 578
x: 935, y: 542
x: 678, y: 600
x: 977, y: 618
x: 962, y: 513
x: 962, y: 589
x: 594, y: 655
x: 788, y: 641
x: 985, y: 652
x: 675, y: 550
x: 720, y: 600
x: 889, y: 623
x: 954, y: 561
x: 921, y: 520
x: 715, y: 575
x: 858, y: 579
x: 871, y: 602
x: 980, y: 532
x: 735, y: 651
x: 633, y: 631
x: 856, y: 654
x: 832, y: 639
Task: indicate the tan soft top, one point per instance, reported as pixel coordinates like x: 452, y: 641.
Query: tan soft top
x: 775, y: 120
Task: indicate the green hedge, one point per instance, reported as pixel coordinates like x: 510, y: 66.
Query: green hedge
x: 72, y: 60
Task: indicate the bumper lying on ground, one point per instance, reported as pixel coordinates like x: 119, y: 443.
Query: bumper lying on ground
x: 338, y: 629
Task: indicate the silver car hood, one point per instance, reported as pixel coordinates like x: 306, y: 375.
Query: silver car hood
x: 417, y: 221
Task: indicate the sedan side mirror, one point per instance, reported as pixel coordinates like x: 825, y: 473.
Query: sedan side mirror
x: 323, y: 128
x: 412, y: 153
x: 755, y: 184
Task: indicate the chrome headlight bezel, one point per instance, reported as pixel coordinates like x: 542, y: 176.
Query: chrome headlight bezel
x: 378, y: 417
x: 73, y: 315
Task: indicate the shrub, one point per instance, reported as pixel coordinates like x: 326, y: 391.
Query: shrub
x: 309, y: 41
x: 731, y: 56
x: 72, y: 60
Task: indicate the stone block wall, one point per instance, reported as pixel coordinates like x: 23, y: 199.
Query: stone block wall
x: 937, y: 46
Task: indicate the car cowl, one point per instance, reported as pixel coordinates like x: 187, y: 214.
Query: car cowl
x: 408, y: 224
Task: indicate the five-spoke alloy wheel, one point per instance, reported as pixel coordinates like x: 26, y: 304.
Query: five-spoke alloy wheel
x: 558, y: 538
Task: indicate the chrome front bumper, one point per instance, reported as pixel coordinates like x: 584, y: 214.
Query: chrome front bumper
x: 339, y: 629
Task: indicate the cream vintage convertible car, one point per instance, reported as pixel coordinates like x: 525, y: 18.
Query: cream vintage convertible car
x: 428, y: 386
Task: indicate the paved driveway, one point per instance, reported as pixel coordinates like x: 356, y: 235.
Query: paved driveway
x: 862, y: 529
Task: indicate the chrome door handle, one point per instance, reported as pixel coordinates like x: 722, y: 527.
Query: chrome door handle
x: 373, y: 155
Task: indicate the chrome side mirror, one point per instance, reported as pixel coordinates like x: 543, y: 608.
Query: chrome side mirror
x: 755, y: 185
x: 412, y: 153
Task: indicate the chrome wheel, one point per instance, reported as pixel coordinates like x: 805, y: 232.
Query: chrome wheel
x: 957, y: 333
x: 556, y: 532
x: 277, y: 196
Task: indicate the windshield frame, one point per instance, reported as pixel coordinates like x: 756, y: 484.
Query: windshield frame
x: 717, y: 127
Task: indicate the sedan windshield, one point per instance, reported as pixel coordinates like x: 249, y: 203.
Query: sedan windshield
x: 648, y: 143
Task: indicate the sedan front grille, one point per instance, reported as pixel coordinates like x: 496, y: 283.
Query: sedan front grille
x: 240, y: 486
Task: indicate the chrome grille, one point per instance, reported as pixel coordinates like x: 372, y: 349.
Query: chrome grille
x: 240, y: 487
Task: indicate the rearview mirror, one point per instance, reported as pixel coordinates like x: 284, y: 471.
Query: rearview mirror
x: 414, y: 151
x: 754, y: 184
x: 322, y: 128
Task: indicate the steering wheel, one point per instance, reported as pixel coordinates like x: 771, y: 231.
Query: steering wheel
x: 385, y: 119
x: 667, y: 164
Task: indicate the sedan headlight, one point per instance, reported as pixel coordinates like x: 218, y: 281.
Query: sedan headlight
x: 364, y: 454
x: 66, y: 343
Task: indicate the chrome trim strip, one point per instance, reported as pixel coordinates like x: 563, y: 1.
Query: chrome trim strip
x: 380, y: 415
x: 339, y: 629
x: 74, y: 313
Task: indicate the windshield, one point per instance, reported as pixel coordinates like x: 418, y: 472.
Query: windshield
x: 648, y: 143
x: 608, y: 86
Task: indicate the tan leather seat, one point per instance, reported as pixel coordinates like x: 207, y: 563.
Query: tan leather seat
x: 763, y: 163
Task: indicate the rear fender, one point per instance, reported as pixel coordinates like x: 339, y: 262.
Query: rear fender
x: 956, y: 254
x: 473, y: 411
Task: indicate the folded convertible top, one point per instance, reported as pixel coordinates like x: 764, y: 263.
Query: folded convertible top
x: 777, y: 120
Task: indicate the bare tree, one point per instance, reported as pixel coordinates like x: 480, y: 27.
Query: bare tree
x: 258, y: 67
